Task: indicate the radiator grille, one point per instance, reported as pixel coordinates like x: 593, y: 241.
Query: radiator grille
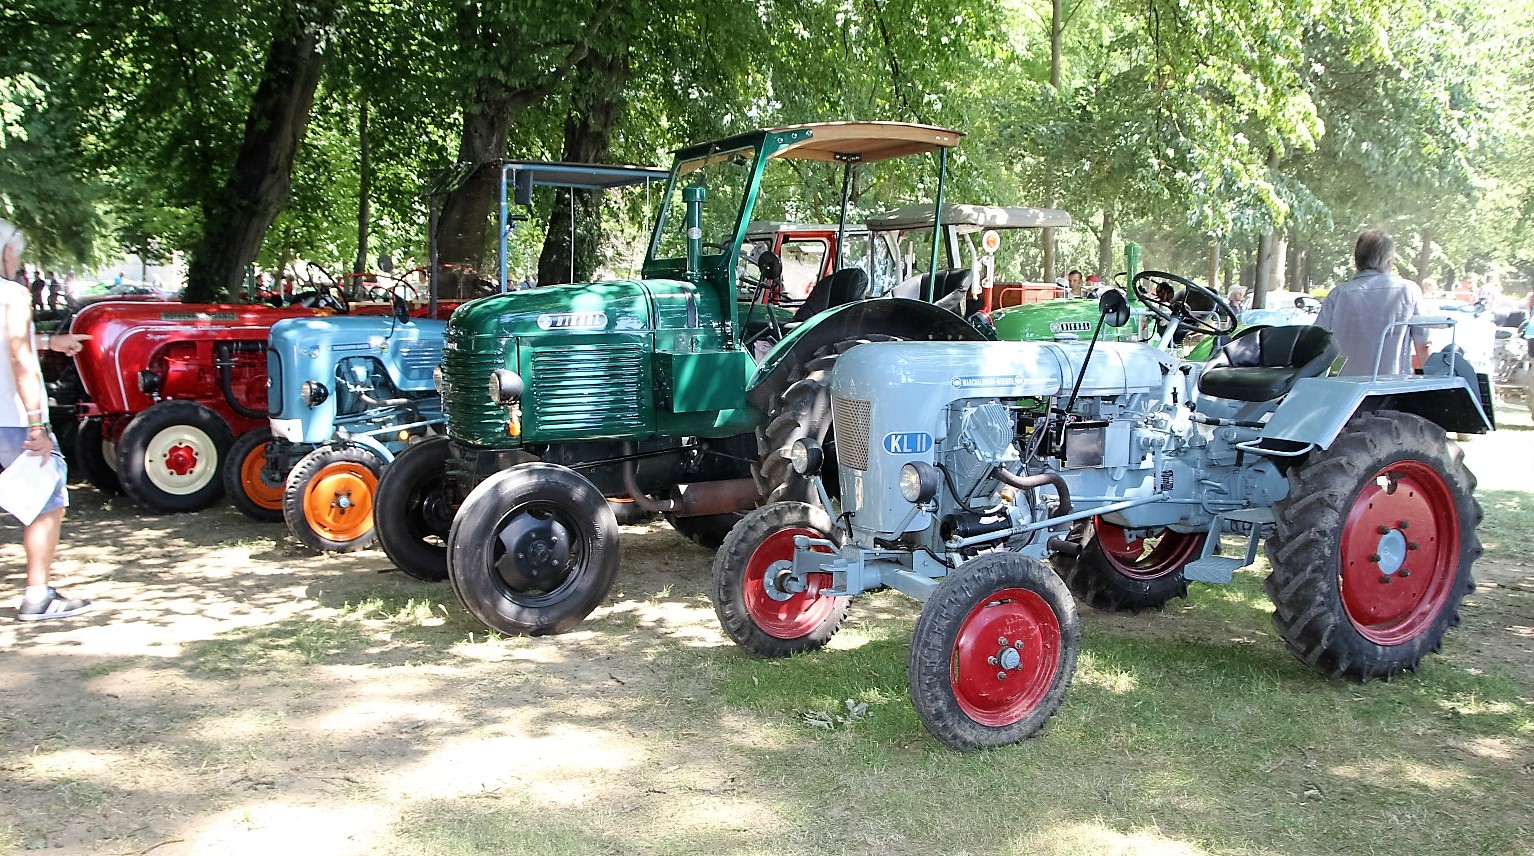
x: 595, y: 389
x: 471, y: 415
x: 850, y: 419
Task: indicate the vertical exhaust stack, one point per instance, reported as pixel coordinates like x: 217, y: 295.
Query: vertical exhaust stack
x: 692, y: 197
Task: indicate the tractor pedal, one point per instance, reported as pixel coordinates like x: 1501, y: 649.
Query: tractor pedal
x: 1212, y: 569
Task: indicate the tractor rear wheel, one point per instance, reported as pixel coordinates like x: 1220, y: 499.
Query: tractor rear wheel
x: 328, y: 500
x: 1119, y: 570
x: 802, y: 411
x: 763, y: 617
x: 1373, y: 546
x: 533, y: 550
x: 96, y: 455
x: 993, y: 652
x: 170, y: 457
x: 413, y: 512
x: 247, y: 481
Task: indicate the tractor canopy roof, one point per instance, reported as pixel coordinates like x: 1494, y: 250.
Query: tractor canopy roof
x: 970, y: 218
x: 774, y: 227
x: 847, y: 142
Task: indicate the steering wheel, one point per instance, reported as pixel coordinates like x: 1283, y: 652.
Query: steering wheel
x: 1220, y: 321
x: 1306, y: 303
x: 397, y: 288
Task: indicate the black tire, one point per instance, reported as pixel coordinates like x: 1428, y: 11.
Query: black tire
x: 708, y: 531
x: 66, y: 430
x: 328, y: 500
x: 170, y: 458
x: 1127, y: 574
x: 963, y: 682
x: 764, y: 619
x: 413, y: 512
x: 533, y: 550
x: 247, y: 477
x: 97, y: 457
x: 1358, y: 595
x: 803, y: 410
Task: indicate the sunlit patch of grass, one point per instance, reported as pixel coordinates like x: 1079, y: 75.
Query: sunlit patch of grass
x: 1509, y: 518
x: 107, y: 668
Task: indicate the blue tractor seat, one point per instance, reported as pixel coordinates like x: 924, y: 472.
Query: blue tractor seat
x: 1263, y: 363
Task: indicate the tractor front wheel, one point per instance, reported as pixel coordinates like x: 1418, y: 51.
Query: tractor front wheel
x: 756, y: 607
x: 1373, y: 546
x: 170, y: 457
x: 1121, y: 570
x: 533, y: 550
x: 247, y: 479
x: 993, y: 652
x: 328, y: 500
x: 413, y: 513
x: 96, y: 456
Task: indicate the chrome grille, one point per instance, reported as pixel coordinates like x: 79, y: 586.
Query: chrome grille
x: 850, y: 419
x: 471, y: 415
x: 589, y: 388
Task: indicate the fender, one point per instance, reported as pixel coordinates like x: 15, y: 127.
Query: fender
x: 891, y: 316
x: 1317, y: 408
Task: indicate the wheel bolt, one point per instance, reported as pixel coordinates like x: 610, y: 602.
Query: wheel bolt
x: 1001, y: 676
x: 1384, y: 530
x: 1018, y: 644
x: 1402, y: 524
x: 1384, y: 578
x: 1404, y: 573
x: 1413, y: 545
x: 1002, y: 640
x: 991, y: 660
x: 1374, y: 557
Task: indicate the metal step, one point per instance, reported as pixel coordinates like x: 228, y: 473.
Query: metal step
x: 1212, y: 569
x: 1251, y: 515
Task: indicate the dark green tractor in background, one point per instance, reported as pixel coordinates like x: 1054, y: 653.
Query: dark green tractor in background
x: 658, y: 390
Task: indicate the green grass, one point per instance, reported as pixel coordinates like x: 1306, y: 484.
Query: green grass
x: 1508, y: 525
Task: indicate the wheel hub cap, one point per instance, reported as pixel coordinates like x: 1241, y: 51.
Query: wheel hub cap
x: 1391, y: 551
x: 537, y: 552
x: 181, y: 459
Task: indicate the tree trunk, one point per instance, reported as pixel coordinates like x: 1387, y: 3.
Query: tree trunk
x: 1264, y: 273
x: 597, y: 105
x: 1105, y: 248
x: 237, y: 214
x: 364, y: 176
x: 1214, y: 266
x: 1425, y: 255
x: 1056, y: 32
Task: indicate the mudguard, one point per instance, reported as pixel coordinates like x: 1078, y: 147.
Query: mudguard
x: 1317, y: 408
x: 888, y: 316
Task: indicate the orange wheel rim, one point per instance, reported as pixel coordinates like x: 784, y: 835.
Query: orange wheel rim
x: 339, y: 501
x: 261, y: 492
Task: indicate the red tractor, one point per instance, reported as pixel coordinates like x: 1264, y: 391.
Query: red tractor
x: 169, y: 387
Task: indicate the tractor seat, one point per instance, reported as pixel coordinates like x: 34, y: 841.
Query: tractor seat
x: 844, y: 286
x: 946, y: 282
x: 1262, y: 363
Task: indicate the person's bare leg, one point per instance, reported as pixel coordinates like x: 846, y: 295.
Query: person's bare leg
x: 41, y: 538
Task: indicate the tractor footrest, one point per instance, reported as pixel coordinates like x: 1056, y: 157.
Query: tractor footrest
x: 1212, y: 569
x: 1258, y: 516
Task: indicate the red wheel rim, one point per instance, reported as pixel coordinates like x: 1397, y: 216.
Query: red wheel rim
x: 995, y: 680
x: 781, y: 614
x: 1146, y: 558
x: 261, y: 492
x: 1400, y: 553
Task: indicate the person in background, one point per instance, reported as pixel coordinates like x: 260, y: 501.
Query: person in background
x: 38, y: 287
x: 1359, y: 312
x: 25, y: 440
x: 1237, y: 299
x: 1073, y: 282
x: 1094, y: 286
x: 55, y: 290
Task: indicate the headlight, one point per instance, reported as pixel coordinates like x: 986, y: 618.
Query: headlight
x: 149, y: 383
x: 314, y: 393
x: 806, y: 457
x: 505, y: 386
x: 918, y: 482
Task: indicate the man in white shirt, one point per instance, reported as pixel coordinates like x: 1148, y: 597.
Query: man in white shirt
x: 25, y: 439
x: 1359, y: 311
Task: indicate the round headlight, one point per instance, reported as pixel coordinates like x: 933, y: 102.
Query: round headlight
x: 314, y: 393
x: 806, y: 457
x: 505, y: 386
x: 918, y: 482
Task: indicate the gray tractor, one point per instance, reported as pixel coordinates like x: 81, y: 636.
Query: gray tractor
x: 967, y: 468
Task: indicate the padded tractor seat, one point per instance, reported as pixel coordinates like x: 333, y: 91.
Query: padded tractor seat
x: 844, y: 286
x: 1262, y: 363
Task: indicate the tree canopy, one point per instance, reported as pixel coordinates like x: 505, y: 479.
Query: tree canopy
x: 261, y: 132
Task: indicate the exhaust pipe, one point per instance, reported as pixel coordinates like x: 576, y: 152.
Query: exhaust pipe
x: 692, y: 500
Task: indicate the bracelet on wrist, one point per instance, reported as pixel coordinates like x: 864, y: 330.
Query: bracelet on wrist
x: 37, y: 425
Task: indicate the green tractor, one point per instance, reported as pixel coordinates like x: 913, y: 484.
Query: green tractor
x: 668, y: 391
